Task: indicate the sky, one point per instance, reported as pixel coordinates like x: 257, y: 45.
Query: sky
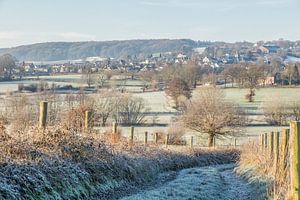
x: 32, y: 21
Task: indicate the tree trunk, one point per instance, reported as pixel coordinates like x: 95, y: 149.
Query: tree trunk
x: 211, y: 140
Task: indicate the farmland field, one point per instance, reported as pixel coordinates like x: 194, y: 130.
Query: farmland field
x: 71, y: 79
x: 157, y: 101
x: 161, y: 112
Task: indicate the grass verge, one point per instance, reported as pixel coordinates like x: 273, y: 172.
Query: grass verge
x: 60, y: 163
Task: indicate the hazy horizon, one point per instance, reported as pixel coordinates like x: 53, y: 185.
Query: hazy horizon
x: 79, y: 41
x: 35, y: 21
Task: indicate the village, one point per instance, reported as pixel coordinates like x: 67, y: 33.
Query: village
x: 216, y: 57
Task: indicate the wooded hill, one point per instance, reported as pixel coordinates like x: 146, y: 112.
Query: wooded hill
x: 52, y: 51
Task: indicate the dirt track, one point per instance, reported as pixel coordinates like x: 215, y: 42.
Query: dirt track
x: 203, y: 183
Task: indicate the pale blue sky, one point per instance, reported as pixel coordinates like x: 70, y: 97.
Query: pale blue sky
x: 31, y: 21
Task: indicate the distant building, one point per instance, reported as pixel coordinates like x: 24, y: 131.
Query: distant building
x: 182, y: 56
x: 270, y: 80
x: 206, y: 60
x: 267, y: 49
x: 263, y: 50
x: 156, y: 55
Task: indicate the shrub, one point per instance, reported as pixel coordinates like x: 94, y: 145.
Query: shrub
x: 31, y: 88
x: 74, y: 119
x: 20, y: 87
x: 176, y: 132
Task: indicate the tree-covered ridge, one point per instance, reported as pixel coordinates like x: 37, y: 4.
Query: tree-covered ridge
x: 51, y: 51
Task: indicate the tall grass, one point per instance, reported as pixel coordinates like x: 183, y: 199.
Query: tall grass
x: 257, y: 166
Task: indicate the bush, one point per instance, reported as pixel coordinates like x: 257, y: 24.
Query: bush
x: 31, y: 88
x: 20, y: 87
x: 176, y: 132
x: 74, y: 119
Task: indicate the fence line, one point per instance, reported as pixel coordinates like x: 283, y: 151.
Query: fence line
x: 277, y: 146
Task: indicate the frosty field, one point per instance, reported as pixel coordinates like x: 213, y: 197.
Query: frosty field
x: 162, y: 113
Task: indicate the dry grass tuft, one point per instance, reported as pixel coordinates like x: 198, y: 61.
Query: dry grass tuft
x: 257, y: 165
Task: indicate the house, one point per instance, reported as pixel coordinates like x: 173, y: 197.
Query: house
x: 269, y: 80
x: 206, y: 60
x: 263, y: 50
x: 269, y: 48
x: 156, y: 55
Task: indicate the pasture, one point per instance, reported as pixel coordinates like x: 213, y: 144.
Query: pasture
x: 162, y: 113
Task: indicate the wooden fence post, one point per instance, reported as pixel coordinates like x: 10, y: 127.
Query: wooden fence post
x: 115, y: 127
x: 214, y: 142
x: 271, y: 144
x: 43, y: 114
x: 131, y: 135
x: 276, y: 149
x: 192, y: 141
x: 295, y: 156
x: 114, y: 136
x: 146, y: 138
x: 88, y: 119
x: 156, y: 137
x: 262, y: 141
x: 284, y: 149
x: 167, y: 140
x: 266, y: 141
x: 235, y: 142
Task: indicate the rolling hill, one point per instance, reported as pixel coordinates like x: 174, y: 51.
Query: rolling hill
x: 52, y: 51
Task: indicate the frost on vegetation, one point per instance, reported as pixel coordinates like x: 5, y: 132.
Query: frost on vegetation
x: 215, y: 182
x: 61, y: 164
x: 259, y: 183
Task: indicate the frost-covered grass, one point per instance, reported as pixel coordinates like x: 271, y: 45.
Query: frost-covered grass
x: 60, y: 163
x: 206, y: 183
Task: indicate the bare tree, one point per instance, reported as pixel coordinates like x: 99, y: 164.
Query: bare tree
x: 279, y: 111
x: 21, y: 112
x: 234, y: 73
x: 87, y: 75
x: 276, y: 111
x: 191, y: 73
x: 104, y: 105
x: 149, y: 78
x: 129, y: 110
x: 178, y: 87
x: 7, y: 65
x: 210, y: 113
x: 101, y: 78
x: 252, y: 75
x: 287, y: 73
